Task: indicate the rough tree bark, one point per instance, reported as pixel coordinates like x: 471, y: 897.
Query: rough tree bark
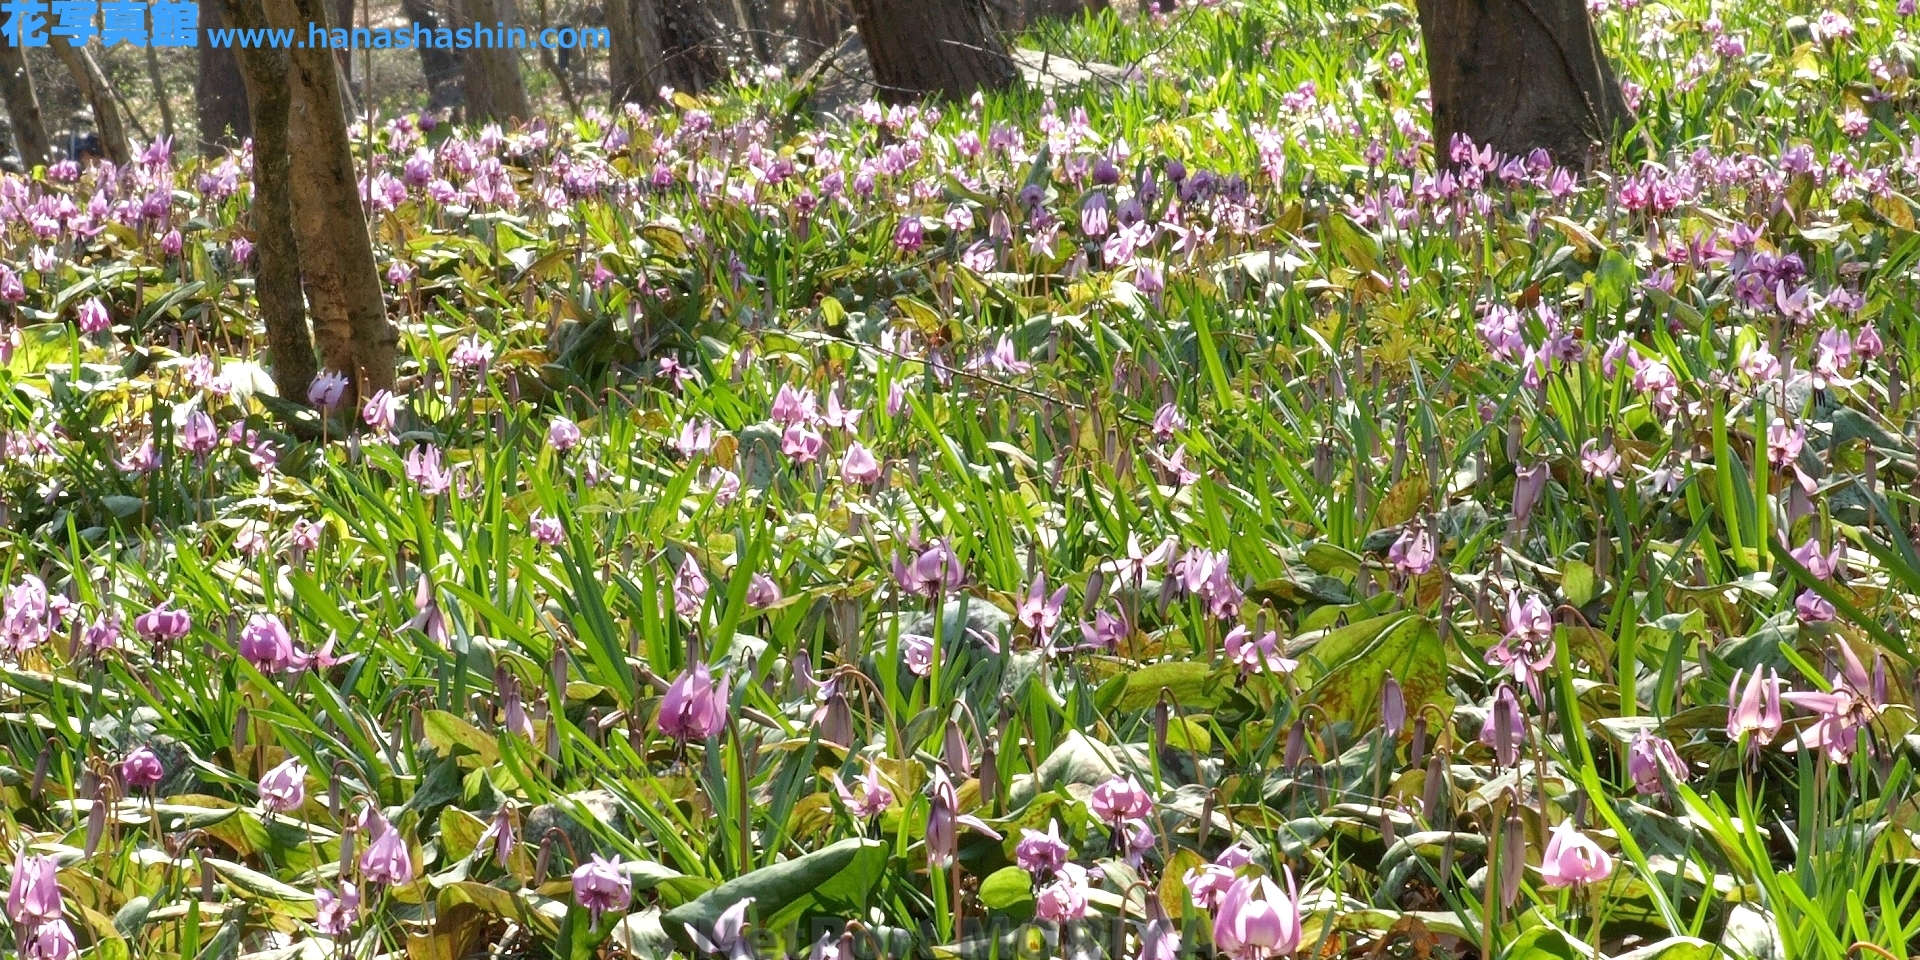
x: 276, y: 254
x: 692, y: 57
x: 1519, y: 75
x: 336, y: 254
x: 945, y: 47
x: 220, y: 93
x: 495, y: 91
x: 99, y: 96
x: 23, y: 107
x: 634, y: 47
x: 441, y: 67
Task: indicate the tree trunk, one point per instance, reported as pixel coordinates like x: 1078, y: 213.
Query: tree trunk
x: 220, y: 92
x: 23, y: 107
x: 944, y: 47
x: 336, y: 254
x: 160, y: 93
x: 441, y: 67
x: 692, y: 58
x: 495, y: 91
x: 276, y: 254
x: 633, y: 49
x: 99, y: 96
x: 1518, y: 75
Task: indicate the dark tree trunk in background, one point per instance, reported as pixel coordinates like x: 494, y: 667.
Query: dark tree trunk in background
x: 1520, y: 74
x: 945, y: 47
x: 23, y: 107
x: 160, y: 93
x: 220, y: 93
x: 634, y: 50
x: 441, y: 67
x: 1021, y: 14
x: 99, y: 96
x: 336, y: 254
x: 692, y: 58
x: 276, y: 254
x: 495, y: 91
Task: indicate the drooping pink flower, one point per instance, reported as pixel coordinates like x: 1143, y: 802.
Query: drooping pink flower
x: 1256, y: 654
x: 859, y: 465
x: 1121, y: 798
x: 1651, y: 758
x: 944, y: 819
x: 284, y: 787
x: 762, y: 591
x: 327, y: 389
x: 729, y: 936
x: 1573, y: 858
x: 1038, y: 611
x: 562, y: 434
x: 1064, y: 898
x: 387, y: 860
x: 92, y: 317
x: 266, y: 644
x: 335, y: 914
x: 873, y: 796
x: 695, y: 705
x: 1041, y: 852
x: 601, y: 887
x: 141, y: 769
x: 689, y: 588
x: 162, y: 624
x: 33, y: 894
x: 1505, y: 727
x: 1755, y: 707
x: 1413, y: 552
x: 1256, y: 920
x: 52, y: 940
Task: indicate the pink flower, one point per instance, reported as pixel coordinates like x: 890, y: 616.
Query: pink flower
x: 695, y: 706
x: 335, y: 915
x: 141, y: 769
x: 500, y: 832
x: 944, y: 819
x: 562, y: 434
x: 1413, y: 552
x: 1649, y: 759
x: 802, y: 443
x: 762, y: 591
x: 917, y: 651
x: 52, y: 940
x: 1811, y: 607
x: 387, y: 860
x: 1065, y: 898
x: 601, y: 887
x: 266, y: 644
x: 425, y: 467
x: 284, y: 787
x: 1572, y: 858
x: 1601, y: 463
x: 793, y: 405
x: 162, y: 625
x: 380, y: 412
x: 1041, y: 853
x: 873, y: 797
x: 92, y: 316
x: 1754, y: 708
x: 729, y: 937
x: 1257, y: 655
x: 1822, y: 565
x: 33, y: 895
x: 1527, y: 649
x: 198, y: 435
x: 326, y: 390
x: 689, y: 589
x: 1121, y: 798
x: 935, y: 568
x: 1257, y: 920
x: 1039, y: 612
x: 859, y: 465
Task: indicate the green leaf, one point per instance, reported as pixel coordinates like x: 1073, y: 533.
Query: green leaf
x: 1185, y: 681
x: 450, y: 734
x: 250, y: 884
x: 838, y: 879
x: 1006, y: 888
